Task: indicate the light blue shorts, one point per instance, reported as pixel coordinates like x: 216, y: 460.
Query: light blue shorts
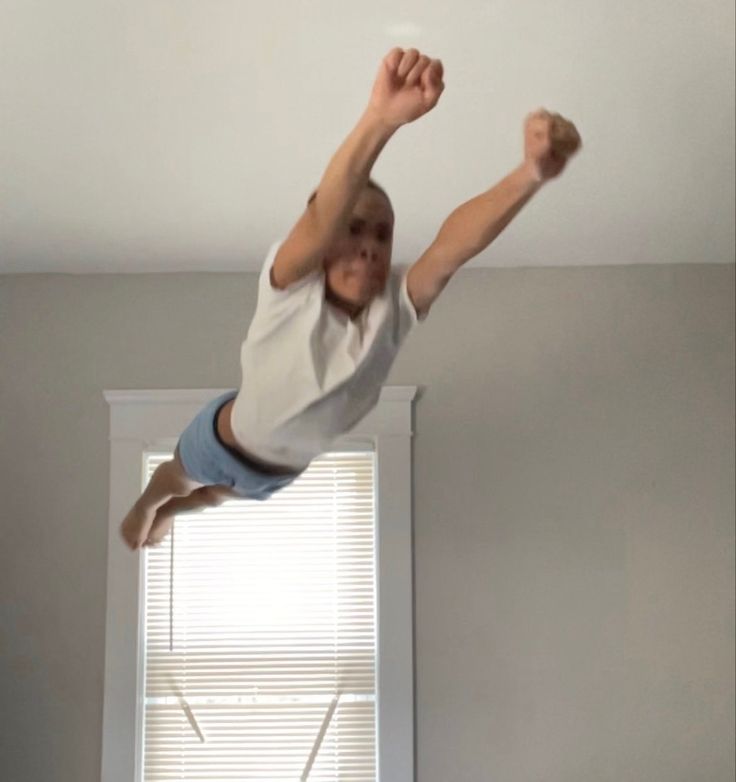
x: 207, y: 459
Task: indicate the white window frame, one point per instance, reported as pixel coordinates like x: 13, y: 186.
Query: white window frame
x: 146, y: 420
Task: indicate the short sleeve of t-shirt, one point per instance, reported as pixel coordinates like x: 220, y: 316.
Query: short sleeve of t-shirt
x: 407, y: 310
x: 265, y: 287
x: 275, y: 305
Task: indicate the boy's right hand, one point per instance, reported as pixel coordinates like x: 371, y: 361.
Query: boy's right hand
x: 407, y: 86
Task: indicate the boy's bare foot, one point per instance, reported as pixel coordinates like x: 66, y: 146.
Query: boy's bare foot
x: 136, y: 525
x: 159, y: 529
x: 148, y: 528
x: 204, y: 497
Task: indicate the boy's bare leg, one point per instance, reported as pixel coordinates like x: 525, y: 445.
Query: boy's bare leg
x: 204, y: 497
x: 169, y: 480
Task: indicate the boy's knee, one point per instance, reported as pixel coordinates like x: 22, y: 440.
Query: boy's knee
x: 216, y: 494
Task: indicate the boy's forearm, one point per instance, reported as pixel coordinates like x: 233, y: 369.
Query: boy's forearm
x: 471, y: 227
x: 346, y: 175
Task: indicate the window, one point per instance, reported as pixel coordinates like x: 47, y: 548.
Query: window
x: 260, y: 634
x: 377, y: 699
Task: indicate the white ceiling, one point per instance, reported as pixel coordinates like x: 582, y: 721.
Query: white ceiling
x: 186, y: 135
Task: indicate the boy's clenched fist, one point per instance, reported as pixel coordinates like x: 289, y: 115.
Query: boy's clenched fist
x: 407, y: 86
x: 549, y: 141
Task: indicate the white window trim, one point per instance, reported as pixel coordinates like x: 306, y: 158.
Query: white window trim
x: 153, y: 419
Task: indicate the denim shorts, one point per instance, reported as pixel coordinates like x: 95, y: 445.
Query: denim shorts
x: 208, y: 460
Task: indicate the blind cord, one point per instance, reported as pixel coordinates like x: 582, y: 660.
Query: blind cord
x: 318, y: 741
x: 171, y: 589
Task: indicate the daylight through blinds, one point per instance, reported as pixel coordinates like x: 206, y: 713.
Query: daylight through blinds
x: 260, y: 643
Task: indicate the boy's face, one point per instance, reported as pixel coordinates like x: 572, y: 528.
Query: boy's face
x: 358, y: 264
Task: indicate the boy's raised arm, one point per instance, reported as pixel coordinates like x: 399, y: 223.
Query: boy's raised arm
x: 407, y: 86
x: 549, y: 141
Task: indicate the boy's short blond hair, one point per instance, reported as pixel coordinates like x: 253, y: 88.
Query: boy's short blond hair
x: 370, y: 183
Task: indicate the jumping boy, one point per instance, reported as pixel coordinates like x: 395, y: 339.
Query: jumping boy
x: 331, y: 314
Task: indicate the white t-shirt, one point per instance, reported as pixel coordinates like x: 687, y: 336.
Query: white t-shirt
x: 310, y: 373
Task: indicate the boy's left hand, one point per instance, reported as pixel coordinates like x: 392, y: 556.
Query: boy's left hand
x: 549, y: 142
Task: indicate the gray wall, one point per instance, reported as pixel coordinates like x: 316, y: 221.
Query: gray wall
x: 574, y: 512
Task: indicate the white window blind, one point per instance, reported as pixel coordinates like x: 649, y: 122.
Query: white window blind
x: 260, y: 634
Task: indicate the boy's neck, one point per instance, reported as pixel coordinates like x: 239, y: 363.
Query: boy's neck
x: 351, y: 309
